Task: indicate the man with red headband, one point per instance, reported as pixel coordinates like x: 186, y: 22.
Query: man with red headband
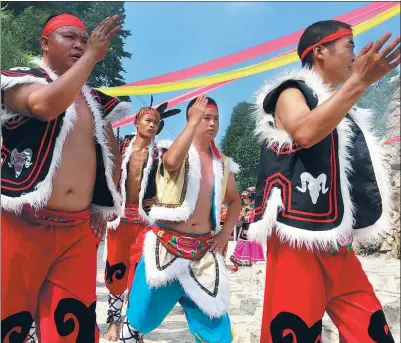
x: 322, y: 186
x: 137, y: 186
x: 59, y: 166
x: 182, y: 259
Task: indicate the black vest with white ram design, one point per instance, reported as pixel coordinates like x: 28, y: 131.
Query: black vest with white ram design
x: 326, y: 194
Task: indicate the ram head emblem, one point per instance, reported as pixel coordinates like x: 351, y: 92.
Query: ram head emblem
x: 314, y: 185
x: 19, y: 160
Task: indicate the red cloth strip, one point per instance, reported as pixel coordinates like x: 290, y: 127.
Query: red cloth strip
x: 391, y: 140
x: 215, y: 150
x: 61, y: 21
x: 330, y: 38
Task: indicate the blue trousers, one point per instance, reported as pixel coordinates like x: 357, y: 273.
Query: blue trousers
x: 148, y: 307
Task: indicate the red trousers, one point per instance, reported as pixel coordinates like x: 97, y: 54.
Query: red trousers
x: 301, y: 286
x: 124, y: 251
x: 48, y: 273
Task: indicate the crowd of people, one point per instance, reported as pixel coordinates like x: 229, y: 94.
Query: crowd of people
x: 322, y: 187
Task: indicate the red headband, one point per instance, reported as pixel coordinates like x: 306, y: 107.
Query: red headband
x: 61, y: 21
x: 139, y: 116
x: 212, y: 106
x: 330, y: 38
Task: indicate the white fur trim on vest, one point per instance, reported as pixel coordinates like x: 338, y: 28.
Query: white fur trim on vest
x: 269, y: 134
x: 375, y: 232
x: 39, y: 197
x: 218, y: 185
x: 261, y: 230
x: 214, y: 307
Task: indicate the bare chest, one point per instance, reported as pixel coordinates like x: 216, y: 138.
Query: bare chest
x: 207, y: 180
x: 136, y: 163
x: 84, y: 124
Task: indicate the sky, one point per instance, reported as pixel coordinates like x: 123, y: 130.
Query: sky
x: 169, y: 36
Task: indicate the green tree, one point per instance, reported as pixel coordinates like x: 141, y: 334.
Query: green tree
x: 240, y: 144
x: 22, y: 24
x: 16, y: 37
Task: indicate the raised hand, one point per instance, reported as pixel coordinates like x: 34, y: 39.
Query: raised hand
x: 101, y: 36
x: 197, y: 110
x: 373, y: 62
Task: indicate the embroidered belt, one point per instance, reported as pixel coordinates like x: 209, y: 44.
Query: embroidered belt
x: 46, y: 216
x: 132, y: 214
x: 183, y: 245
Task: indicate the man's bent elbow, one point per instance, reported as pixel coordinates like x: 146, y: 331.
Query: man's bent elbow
x: 303, y: 140
x: 171, y: 161
x: 170, y: 166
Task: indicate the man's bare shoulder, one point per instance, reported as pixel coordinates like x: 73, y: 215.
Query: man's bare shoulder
x: 291, y: 102
x: 291, y: 95
x: 17, y: 84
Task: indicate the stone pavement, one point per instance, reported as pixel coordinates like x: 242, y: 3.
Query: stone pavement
x: 247, y: 286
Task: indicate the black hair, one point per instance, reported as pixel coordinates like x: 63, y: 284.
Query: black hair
x: 209, y: 101
x: 316, y: 32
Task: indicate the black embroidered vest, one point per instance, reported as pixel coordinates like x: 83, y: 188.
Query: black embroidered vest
x: 325, y: 192
x: 30, y: 148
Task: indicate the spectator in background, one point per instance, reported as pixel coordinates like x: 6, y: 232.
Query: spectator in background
x: 246, y: 252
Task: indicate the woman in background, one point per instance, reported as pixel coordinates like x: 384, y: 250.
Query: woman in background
x: 247, y: 252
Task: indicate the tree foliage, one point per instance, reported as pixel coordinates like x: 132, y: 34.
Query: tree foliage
x: 240, y: 144
x: 22, y: 24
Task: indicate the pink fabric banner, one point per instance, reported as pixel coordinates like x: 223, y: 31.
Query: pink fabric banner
x: 174, y: 101
x: 391, y: 140
x: 355, y: 16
